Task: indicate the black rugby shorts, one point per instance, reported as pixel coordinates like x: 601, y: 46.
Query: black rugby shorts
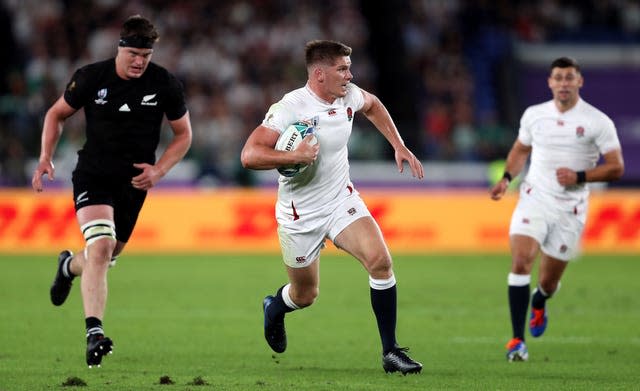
x: 89, y: 189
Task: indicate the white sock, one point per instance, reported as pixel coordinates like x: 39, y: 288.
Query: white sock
x: 518, y: 279
x: 287, y: 299
x: 382, y: 284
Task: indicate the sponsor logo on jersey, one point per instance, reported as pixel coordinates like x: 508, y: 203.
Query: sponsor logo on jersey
x: 349, y: 114
x: 579, y: 131
x: 301, y: 259
x: 146, y: 100
x: 101, y: 95
x: 525, y: 221
x: 332, y: 112
x: 351, y: 211
x: 560, y: 122
x: 124, y: 107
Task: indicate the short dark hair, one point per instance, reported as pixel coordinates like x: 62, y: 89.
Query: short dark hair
x: 565, y: 62
x: 323, y: 51
x: 137, y: 25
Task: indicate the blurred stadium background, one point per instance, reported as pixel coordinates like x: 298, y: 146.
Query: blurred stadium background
x: 456, y: 76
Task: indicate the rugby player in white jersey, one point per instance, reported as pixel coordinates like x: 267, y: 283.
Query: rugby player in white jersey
x: 321, y: 202
x: 565, y: 137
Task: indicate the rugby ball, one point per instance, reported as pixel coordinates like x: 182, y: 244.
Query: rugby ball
x: 289, y: 141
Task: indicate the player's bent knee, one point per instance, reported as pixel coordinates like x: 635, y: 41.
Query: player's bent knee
x: 100, y: 235
x: 380, y: 267
x: 521, y: 264
x: 100, y: 251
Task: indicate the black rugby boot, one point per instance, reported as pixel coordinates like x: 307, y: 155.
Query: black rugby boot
x: 274, y: 331
x: 61, y: 284
x: 397, y: 360
x: 98, y: 346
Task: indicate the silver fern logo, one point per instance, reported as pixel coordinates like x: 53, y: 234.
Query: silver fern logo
x: 147, y: 100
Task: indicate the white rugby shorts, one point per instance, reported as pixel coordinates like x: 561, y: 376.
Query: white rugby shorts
x: 558, y: 231
x: 301, y: 240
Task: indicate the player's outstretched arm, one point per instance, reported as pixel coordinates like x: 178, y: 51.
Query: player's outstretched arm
x: 379, y: 116
x: 498, y: 190
x: 516, y: 159
x: 403, y: 154
x: 51, y: 132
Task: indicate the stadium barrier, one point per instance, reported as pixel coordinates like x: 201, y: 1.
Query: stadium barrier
x: 211, y: 220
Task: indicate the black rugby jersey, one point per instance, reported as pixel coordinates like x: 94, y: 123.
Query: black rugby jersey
x: 123, y: 117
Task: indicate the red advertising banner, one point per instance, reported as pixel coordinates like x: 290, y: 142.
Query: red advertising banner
x: 213, y: 220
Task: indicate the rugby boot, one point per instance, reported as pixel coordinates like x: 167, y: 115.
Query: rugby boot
x: 98, y: 346
x: 538, y: 322
x: 398, y: 360
x: 61, y: 284
x: 274, y: 331
x: 517, y: 350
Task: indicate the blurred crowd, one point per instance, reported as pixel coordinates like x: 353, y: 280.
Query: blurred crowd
x: 462, y: 51
x: 235, y: 58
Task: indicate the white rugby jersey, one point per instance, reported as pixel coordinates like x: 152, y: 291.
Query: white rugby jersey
x: 573, y: 139
x: 327, y: 179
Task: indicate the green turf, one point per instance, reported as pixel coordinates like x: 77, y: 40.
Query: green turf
x: 197, y: 319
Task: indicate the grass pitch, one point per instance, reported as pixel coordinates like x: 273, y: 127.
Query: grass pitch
x: 194, y: 322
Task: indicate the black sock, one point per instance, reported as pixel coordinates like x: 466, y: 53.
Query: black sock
x: 278, y: 307
x: 94, y: 326
x: 538, y: 300
x: 518, y: 305
x: 384, y: 304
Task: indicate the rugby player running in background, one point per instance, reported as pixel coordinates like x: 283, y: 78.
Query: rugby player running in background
x: 565, y: 137
x: 125, y: 100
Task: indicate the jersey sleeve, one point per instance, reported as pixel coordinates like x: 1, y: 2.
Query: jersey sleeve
x: 279, y: 116
x: 524, y: 133
x: 355, y: 97
x: 79, y: 88
x: 175, y: 105
x: 607, y: 140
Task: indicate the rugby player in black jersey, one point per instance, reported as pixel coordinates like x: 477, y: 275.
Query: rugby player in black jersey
x: 125, y: 100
